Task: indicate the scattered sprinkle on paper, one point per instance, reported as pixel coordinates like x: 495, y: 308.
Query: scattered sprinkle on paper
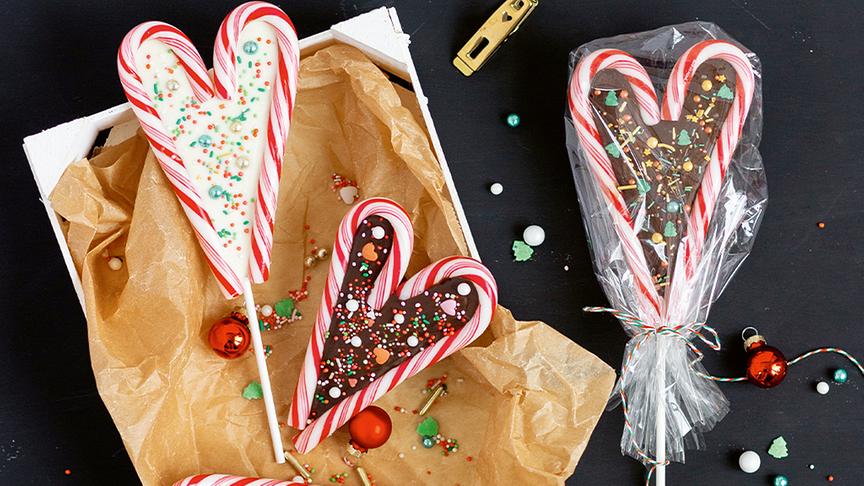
x: 428, y: 427
x: 253, y: 391
x: 285, y: 307
x: 778, y: 449
x: 522, y: 252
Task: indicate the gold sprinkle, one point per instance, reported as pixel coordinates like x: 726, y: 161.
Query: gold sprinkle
x: 657, y: 238
x: 688, y: 166
x: 706, y: 85
x: 628, y: 186
x: 652, y: 142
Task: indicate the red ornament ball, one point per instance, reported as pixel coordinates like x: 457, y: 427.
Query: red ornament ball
x: 229, y: 338
x: 766, y: 365
x: 370, y: 428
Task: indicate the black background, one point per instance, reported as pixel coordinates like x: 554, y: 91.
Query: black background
x: 802, y: 286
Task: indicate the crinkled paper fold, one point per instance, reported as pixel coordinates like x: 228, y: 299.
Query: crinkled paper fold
x: 522, y: 402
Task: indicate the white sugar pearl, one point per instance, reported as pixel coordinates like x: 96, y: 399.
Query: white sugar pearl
x: 749, y: 462
x: 822, y: 387
x: 378, y: 232
x: 496, y: 188
x: 356, y: 341
x: 463, y: 288
x: 534, y: 235
x: 266, y: 310
x: 352, y: 305
x: 334, y: 392
x: 115, y: 263
x: 399, y: 318
x: 413, y: 341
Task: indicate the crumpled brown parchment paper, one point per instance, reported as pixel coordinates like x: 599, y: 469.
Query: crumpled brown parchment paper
x: 522, y: 403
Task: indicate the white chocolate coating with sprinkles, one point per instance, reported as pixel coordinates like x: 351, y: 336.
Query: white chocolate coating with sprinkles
x: 221, y: 142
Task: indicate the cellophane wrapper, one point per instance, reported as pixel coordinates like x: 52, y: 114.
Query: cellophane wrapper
x: 654, y: 362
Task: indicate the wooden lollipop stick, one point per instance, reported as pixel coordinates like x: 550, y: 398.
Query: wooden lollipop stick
x: 263, y: 375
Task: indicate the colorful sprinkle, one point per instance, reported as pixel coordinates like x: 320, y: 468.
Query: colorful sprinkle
x: 522, y: 252
x: 778, y: 449
x: 253, y: 391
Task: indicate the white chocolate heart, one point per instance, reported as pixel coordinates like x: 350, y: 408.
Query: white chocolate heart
x: 221, y: 142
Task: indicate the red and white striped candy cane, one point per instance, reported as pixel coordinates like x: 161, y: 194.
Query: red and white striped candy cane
x: 487, y: 292
x: 230, y: 279
x: 600, y: 165
x: 392, y: 272
x: 226, y: 480
x: 673, y: 101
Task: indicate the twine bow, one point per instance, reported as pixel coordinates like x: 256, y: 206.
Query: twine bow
x: 644, y: 330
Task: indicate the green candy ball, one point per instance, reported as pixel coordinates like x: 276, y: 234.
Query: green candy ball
x: 840, y: 375
x: 781, y: 481
x: 513, y: 120
x: 428, y: 442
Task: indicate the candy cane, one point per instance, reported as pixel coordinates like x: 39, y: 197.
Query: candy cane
x: 712, y: 181
x: 452, y: 267
x: 391, y: 274
x: 281, y: 110
x: 226, y: 480
x: 600, y: 165
x: 233, y: 278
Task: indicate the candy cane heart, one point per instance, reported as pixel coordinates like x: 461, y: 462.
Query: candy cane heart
x: 372, y: 333
x: 220, y: 142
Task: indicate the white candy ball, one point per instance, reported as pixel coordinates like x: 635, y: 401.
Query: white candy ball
x: 412, y: 341
x: 534, y: 235
x: 356, y: 341
x: 749, y: 462
x: 463, y: 288
x: 266, y: 310
x: 115, y: 263
x: 335, y: 392
x: 378, y: 232
x: 822, y: 388
x: 496, y: 188
x: 352, y: 305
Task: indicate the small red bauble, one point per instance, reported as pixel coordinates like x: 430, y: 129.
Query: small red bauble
x: 229, y: 337
x: 370, y: 428
x: 766, y: 365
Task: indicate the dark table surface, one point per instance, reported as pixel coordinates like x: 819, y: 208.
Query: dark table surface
x: 800, y: 287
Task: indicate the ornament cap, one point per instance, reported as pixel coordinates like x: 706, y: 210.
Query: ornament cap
x: 354, y: 454
x: 754, y: 341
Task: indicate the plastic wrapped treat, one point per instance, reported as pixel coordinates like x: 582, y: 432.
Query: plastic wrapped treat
x: 662, y: 131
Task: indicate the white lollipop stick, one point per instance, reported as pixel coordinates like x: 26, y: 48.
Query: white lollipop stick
x: 263, y: 374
